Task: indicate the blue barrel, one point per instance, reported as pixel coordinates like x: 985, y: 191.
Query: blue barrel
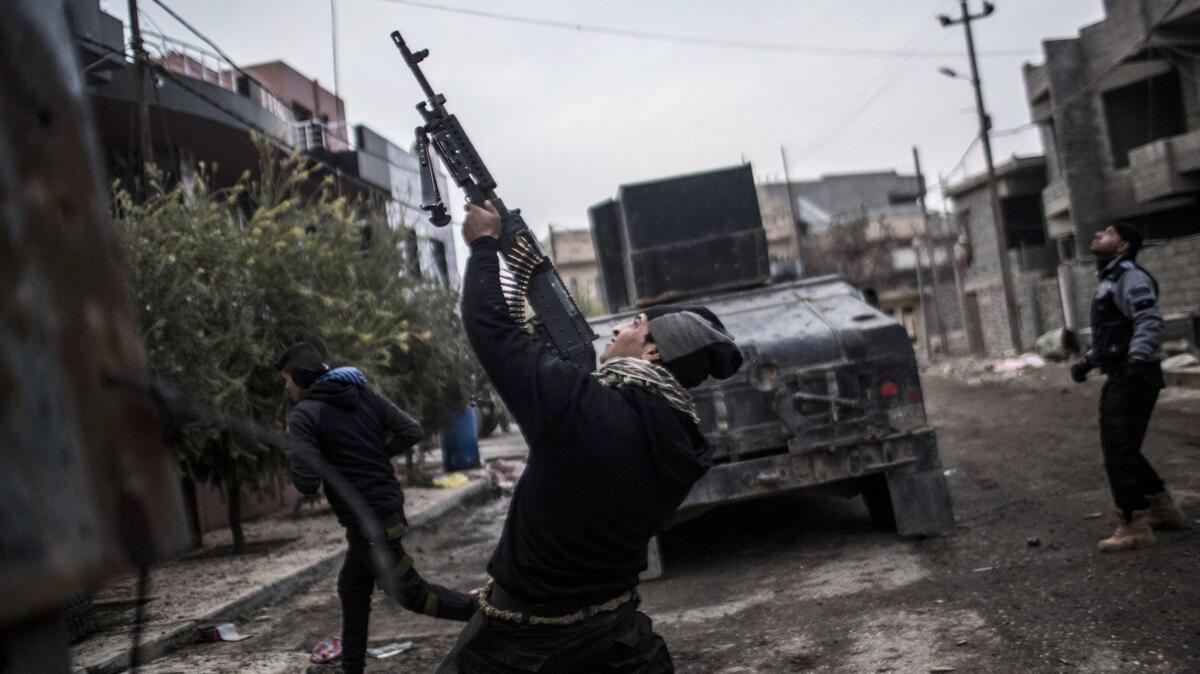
x: 460, y: 443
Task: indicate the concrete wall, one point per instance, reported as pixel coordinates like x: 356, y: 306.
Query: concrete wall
x: 1175, y: 264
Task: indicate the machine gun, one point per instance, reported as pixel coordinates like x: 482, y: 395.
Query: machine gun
x: 559, y: 324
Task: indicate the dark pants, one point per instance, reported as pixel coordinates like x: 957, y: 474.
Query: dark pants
x: 356, y: 583
x: 1126, y: 403
x: 622, y: 640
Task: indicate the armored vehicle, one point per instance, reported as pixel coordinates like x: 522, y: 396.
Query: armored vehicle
x: 829, y: 391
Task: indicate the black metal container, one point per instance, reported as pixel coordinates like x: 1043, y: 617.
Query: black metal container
x: 605, y: 219
x: 692, y: 234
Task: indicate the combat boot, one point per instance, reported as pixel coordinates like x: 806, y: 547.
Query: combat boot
x: 1164, y: 514
x: 1136, y: 533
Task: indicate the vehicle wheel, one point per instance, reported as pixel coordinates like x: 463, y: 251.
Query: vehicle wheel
x: 486, y: 417
x: 879, y: 501
x: 81, y: 616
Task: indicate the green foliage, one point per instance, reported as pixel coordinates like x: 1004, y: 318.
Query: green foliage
x: 224, y: 280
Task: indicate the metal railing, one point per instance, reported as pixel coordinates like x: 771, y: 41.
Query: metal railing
x: 199, y: 63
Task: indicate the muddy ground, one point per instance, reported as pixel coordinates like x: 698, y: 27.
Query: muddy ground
x: 805, y: 583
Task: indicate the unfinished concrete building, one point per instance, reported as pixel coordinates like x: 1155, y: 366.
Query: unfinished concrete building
x: 1031, y: 259
x: 1119, y: 112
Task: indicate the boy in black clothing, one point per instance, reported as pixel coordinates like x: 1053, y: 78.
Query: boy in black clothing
x: 357, y: 431
x: 612, y: 454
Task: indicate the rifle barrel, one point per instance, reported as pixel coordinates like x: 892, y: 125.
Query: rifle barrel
x: 413, y: 60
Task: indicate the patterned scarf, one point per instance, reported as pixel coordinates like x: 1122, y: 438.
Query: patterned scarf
x: 653, y: 378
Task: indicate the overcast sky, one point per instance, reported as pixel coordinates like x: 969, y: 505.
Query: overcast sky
x: 562, y: 117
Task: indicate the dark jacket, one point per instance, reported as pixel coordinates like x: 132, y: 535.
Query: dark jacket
x: 357, y: 431
x: 1127, y: 325
x: 607, y: 466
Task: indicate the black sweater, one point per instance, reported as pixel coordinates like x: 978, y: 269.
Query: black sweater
x: 357, y: 431
x: 607, y: 466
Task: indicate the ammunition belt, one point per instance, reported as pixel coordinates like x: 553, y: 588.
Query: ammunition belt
x: 532, y: 616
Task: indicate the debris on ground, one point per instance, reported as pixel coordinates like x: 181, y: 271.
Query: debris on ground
x: 505, y: 472
x: 1023, y: 362
x: 389, y: 650
x: 1057, y: 345
x: 327, y: 650
x: 1180, y: 361
x: 220, y: 632
x: 1093, y: 516
x: 1033, y: 541
x: 451, y: 480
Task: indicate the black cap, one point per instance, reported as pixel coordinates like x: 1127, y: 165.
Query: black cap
x: 303, y: 362
x: 693, y: 343
x: 1131, y: 234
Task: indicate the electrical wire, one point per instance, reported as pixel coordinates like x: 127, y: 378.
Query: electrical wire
x: 692, y: 40
x: 879, y: 83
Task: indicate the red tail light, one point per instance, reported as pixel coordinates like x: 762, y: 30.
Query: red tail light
x: 914, y: 396
x: 889, y: 389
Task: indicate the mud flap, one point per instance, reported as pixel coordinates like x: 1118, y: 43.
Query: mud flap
x: 921, y: 502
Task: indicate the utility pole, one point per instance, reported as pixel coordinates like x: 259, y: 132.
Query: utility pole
x: 929, y: 249
x: 959, y: 290
x: 985, y: 125
x: 337, y: 94
x: 145, y: 149
x: 797, y: 225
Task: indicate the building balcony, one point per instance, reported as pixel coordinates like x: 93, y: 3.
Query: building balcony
x: 1166, y: 167
x: 1056, y: 200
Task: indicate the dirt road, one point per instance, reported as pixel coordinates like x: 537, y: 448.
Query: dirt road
x: 804, y: 583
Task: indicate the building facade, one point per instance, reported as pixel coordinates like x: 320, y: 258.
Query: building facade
x: 1119, y: 111
x: 202, y: 108
x: 574, y: 256
x: 1031, y: 258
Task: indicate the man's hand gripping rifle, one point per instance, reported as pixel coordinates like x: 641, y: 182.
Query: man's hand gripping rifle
x: 559, y: 323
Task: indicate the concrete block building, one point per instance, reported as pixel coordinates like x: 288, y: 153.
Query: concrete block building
x: 1119, y: 111
x: 1032, y: 261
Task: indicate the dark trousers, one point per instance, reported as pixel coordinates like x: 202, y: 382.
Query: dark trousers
x: 622, y: 640
x: 357, y: 581
x: 1126, y: 403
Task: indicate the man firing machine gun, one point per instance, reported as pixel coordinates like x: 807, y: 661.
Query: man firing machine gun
x: 612, y: 453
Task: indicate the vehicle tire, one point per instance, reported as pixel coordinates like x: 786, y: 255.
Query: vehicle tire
x: 879, y: 501
x: 80, y: 615
x: 486, y: 417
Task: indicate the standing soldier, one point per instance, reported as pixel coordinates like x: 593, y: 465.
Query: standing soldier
x: 357, y: 431
x: 1127, y: 331
x: 612, y: 454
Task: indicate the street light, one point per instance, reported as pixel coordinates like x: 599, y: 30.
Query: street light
x: 985, y: 126
x: 952, y: 73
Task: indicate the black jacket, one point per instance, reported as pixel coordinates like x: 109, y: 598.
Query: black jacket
x: 1127, y: 325
x: 607, y: 466
x: 357, y: 431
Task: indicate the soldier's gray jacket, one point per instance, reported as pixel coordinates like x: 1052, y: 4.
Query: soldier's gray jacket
x: 1127, y: 325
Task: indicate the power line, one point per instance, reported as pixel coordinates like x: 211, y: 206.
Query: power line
x: 889, y: 74
x: 693, y: 40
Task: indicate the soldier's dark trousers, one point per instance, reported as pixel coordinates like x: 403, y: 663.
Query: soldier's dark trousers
x: 357, y: 581
x: 1126, y: 403
x: 622, y: 640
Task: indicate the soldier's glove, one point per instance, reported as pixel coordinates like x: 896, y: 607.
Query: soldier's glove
x: 1080, y: 370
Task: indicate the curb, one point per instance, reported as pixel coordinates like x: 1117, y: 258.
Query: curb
x: 183, y: 635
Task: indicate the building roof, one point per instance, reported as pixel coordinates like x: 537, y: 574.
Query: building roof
x: 1013, y: 168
